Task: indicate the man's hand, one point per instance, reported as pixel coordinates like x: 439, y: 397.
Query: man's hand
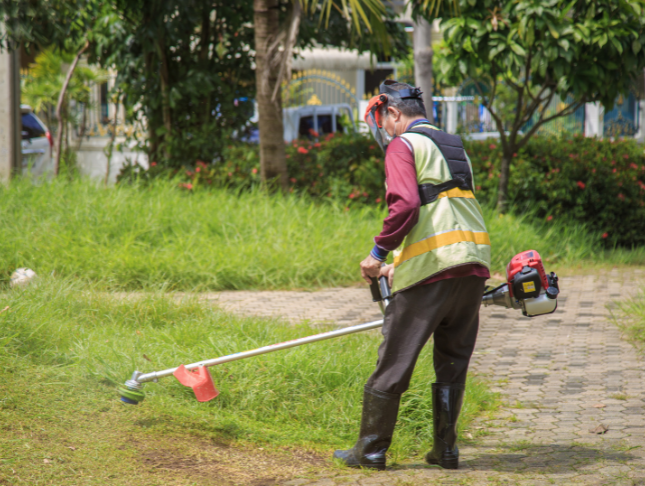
x: 388, y: 271
x: 370, y: 267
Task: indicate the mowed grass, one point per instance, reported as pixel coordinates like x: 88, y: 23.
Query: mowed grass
x: 159, y: 236
x: 88, y: 342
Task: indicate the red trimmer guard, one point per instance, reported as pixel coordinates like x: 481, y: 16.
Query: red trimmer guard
x: 199, y: 380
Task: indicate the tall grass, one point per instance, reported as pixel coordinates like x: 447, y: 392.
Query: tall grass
x: 308, y: 396
x: 160, y: 236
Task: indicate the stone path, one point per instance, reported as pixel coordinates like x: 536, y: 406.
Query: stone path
x: 560, y: 375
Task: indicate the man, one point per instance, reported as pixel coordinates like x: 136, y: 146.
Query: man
x: 437, y: 277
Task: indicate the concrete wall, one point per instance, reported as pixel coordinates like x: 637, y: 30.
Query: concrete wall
x: 10, y: 125
x: 92, y: 161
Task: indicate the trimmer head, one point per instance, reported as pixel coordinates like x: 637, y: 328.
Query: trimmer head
x: 131, y: 392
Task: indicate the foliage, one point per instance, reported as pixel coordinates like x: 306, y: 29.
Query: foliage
x: 597, y: 182
x: 589, y: 50
x: 65, y: 24
x: 346, y: 168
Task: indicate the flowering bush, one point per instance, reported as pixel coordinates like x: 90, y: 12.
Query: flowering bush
x: 345, y: 167
x: 599, y: 182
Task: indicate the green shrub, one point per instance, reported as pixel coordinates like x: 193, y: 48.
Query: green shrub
x: 345, y: 167
x: 598, y: 182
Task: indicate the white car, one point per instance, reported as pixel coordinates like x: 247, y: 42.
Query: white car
x: 37, y: 144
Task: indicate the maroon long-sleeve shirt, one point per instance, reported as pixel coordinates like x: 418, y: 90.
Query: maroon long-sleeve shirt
x: 402, y: 197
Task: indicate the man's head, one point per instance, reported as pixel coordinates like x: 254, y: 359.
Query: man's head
x: 391, y: 112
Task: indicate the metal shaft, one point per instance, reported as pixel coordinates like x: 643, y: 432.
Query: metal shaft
x: 143, y: 378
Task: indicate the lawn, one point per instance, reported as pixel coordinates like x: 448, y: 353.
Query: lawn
x: 78, y: 344
x: 161, y: 237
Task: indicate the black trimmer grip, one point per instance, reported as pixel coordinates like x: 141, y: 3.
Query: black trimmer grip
x: 375, y: 289
x: 380, y: 289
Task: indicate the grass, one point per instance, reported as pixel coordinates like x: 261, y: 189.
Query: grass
x: 307, y: 397
x: 629, y: 316
x: 155, y: 237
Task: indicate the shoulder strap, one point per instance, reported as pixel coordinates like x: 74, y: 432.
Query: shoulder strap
x: 452, y: 149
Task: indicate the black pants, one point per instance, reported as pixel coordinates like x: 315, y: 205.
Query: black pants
x: 449, y: 309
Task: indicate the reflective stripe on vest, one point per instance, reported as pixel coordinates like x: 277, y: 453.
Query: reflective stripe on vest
x: 450, y: 230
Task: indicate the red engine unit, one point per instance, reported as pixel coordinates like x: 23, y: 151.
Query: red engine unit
x: 525, y: 275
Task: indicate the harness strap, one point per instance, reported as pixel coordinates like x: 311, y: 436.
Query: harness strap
x: 452, y: 149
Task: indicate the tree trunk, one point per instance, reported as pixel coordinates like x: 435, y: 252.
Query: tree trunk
x: 423, y: 63
x: 112, y: 140
x: 59, y: 106
x: 273, y: 165
x: 164, y: 77
x: 502, y: 192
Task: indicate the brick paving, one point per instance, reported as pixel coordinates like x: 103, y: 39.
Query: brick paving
x: 560, y: 376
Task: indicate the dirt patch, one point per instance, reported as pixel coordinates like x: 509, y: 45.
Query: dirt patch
x: 209, y: 463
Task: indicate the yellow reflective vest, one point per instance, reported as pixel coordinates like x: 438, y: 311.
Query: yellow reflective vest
x: 450, y: 231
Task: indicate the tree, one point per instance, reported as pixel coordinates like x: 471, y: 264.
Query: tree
x: 274, y: 43
x: 65, y: 24
x: 581, y: 50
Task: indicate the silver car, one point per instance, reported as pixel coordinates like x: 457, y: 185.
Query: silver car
x: 37, y: 144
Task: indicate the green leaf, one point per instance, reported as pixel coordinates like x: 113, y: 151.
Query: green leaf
x: 467, y: 45
x: 636, y: 46
x: 617, y: 45
x: 554, y: 33
x: 517, y: 49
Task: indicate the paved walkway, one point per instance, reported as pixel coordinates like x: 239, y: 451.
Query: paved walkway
x: 561, y: 376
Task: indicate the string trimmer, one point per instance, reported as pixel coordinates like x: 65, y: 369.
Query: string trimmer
x: 528, y: 287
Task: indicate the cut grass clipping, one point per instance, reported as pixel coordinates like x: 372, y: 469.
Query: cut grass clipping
x: 159, y: 236
x: 308, y: 396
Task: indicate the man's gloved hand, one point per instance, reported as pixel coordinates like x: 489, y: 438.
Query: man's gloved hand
x: 370, y: 267
x: 388, y: 271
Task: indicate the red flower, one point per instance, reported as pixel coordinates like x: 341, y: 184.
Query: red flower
x: 255, y: 171
x: 614, y: 171
x: 621, y: 197
x: 365, y: 194
x: 293, y: 180
x: 549, y: 218
x: 303, y: 150
x: 593, y: 171
x: 201, y: 162
x: 581, y: 184
x: 288, y: 156
x: 371, y: 147
x: 605, y: 235
x: 230, y: 174
x: 152, y: 164
x: 492, y: 146
x: 351, y: 196
x: 198, y: 169
x: 317, y: 145
x: 515, y: 155
x: 613, y: 162
x: 313, y: 133
x: 626, y: 156
x: 478, y: 188
x: 329, y: 136
x: 378, y: 199
x: 633, y: 166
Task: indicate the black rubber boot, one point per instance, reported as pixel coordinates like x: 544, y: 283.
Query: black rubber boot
x: 447, y: 399
x: 377, y: 426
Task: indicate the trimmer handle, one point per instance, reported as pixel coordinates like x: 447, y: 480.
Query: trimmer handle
x: 380, y: 289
